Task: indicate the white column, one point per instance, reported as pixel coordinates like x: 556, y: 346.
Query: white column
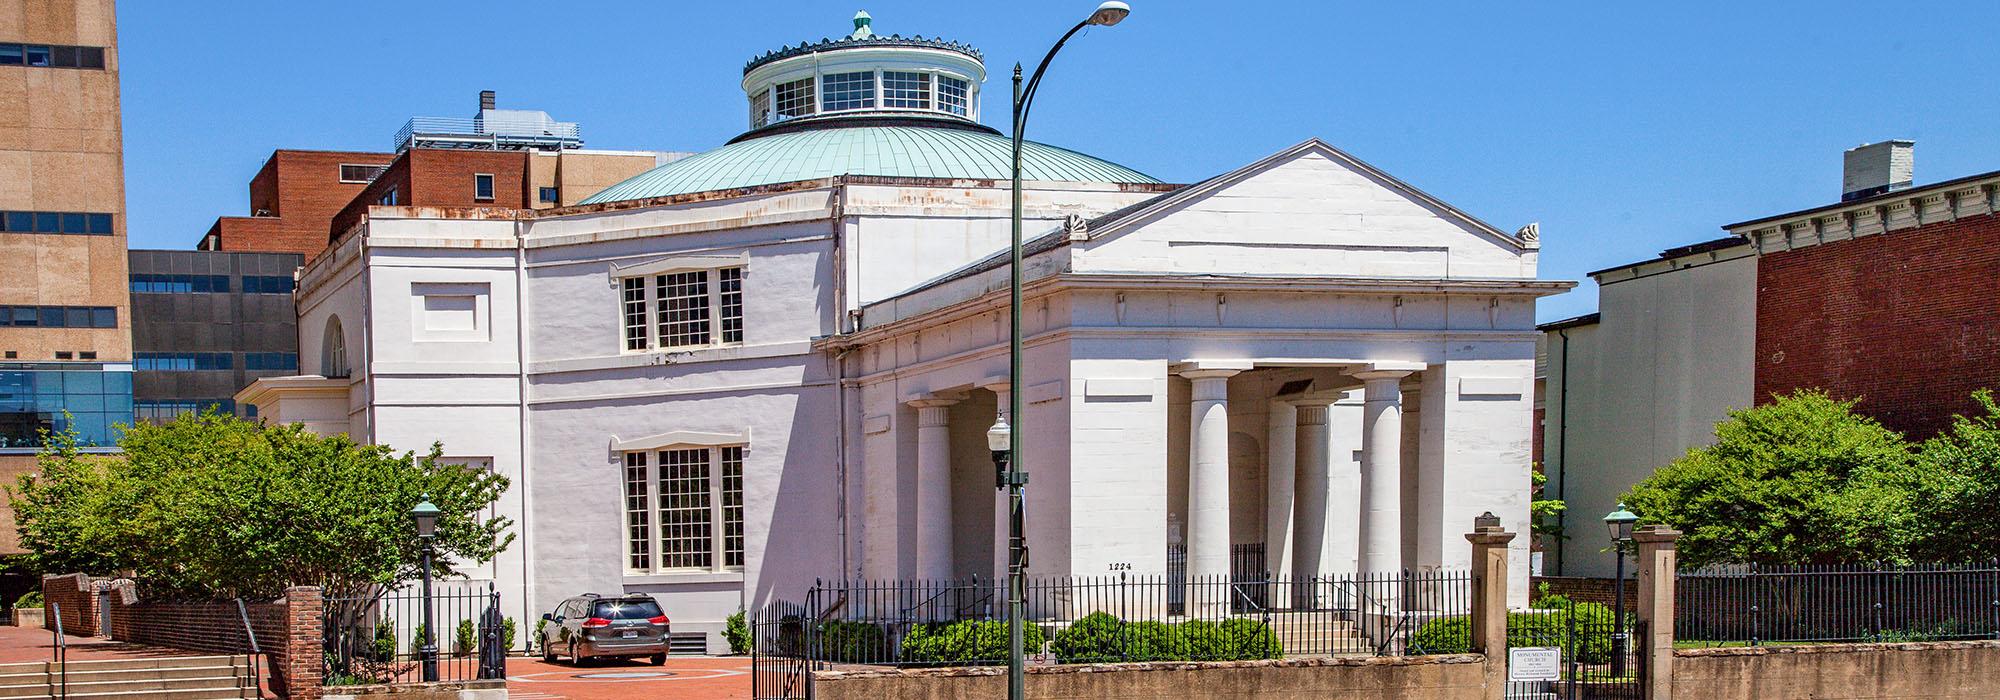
x: 933, y: 488
x: 1208, y: 482
x: 1310, y: 532
x: 1381, y: 471
x: 1281, y: 475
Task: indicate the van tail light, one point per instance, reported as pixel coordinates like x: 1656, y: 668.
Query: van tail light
x: 658, y: 619
x: 596, y: 622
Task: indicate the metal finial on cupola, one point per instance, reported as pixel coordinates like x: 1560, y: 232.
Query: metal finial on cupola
x: 861, y: 28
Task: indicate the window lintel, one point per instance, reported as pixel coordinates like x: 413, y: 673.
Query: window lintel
x: 680, y: 263
x: 680, y: 439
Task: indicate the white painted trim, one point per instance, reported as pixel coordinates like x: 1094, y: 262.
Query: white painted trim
x: 652, y: 358
x: 875, y: 425
x: 696, y: 391
x: 679, y: 263
x: 1043, y: 393
x: 679, y: 439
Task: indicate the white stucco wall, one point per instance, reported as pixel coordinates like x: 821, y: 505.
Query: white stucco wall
x: 1672, y: 353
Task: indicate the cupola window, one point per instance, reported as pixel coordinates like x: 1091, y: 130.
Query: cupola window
x: 795, y: 99
x: 952, y: 95
x: 904, y: 90
x: 845, y: 91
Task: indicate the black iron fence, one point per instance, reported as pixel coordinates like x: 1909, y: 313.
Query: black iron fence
x: 381, y: 638
x: 1750, y: 604
x: 1246, y: 561
x: 1088, y: 619
x: 1580, y: 649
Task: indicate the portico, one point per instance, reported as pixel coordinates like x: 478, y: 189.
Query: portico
x: 1322, y: 407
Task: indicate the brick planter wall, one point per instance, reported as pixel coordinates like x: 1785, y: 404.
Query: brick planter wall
x: 287, y: 632
x: 1588, y: 590
x: 79, y: 604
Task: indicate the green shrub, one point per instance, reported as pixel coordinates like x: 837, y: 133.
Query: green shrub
x: 1252, y: 639
x: 1444, y: 635
x: 965, y: 642
x: 465, y: 638
x: 385, y: 640
x: 507, y: 634
x: 1099, y: 636
x: 852, y: 642
x: 541, y: 624
x: 1150, y: 640
x: 417, y: 640
x: 31, y: 599
x: 737, y: 633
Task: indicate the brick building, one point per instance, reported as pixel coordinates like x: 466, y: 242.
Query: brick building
x: 1890, y: 296
x: 520, y: 159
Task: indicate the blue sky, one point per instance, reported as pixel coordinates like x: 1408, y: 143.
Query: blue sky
x: 1624, y: 128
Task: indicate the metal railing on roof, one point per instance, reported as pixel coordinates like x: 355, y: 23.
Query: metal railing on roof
x: 488, y: 134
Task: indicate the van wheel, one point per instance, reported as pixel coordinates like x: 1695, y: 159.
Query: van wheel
x: 575, y: 660
x: 659, y: 659
x: 548, y: 653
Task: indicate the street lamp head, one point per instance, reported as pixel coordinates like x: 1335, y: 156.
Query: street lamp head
x: 1620, y: 522
x: 426, y: 515
x: 1109, y: 13
x: 1000, y: 437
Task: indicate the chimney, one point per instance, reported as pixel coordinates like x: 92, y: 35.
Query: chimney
x: 1874, y: 168
x: 485, y: 100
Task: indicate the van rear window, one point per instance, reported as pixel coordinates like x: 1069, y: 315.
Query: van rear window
x: 626, y: 609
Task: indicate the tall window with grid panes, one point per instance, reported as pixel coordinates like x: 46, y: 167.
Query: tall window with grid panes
x: 684, y: 509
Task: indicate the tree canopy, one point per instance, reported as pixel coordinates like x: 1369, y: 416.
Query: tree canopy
x: 1806, y: 480
x: 213, y: 506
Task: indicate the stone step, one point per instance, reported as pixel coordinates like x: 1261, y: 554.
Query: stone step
x: 231, y: 693
x: 76, y: 666
x: 78, y: 674
x: 53, y: 685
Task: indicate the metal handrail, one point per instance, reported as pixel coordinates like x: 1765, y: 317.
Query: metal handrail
x: 256, y: 673
x: 61, y: 650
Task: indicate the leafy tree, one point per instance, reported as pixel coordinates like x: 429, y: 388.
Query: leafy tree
x: 210, y: 506
x: 1544, y: 513
x: 1958, y: 487
x: 1803, y: 480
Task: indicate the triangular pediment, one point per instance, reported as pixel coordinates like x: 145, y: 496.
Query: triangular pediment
x: 1309, y: 210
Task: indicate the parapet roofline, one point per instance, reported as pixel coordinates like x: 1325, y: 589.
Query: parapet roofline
x: 1916, y: 191
x: 1707, y: 246
x: 1571, y: 322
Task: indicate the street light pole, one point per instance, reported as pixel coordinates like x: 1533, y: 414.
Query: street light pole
x: 1620, y: 522
x: 1107, y: 14
x: 426, y: 516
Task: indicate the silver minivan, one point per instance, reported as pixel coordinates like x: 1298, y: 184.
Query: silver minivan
x: 592, y: 626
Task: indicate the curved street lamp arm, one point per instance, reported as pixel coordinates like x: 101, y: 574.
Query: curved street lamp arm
x: 1027, y: 98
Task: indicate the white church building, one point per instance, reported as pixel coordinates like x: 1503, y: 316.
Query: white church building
x: 775, y: 362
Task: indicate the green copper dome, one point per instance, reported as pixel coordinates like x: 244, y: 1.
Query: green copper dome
x: 887, y: 151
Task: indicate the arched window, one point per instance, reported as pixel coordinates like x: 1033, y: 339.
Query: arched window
x: 333, y: 350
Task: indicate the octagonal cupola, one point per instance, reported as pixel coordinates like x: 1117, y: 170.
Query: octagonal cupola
x: 864, y: 75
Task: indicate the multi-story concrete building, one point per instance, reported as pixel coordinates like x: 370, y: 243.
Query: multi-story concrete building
x: 65, y: 326
x: 205, y: 324
x: 1890, y: 296
x: 773, y: 361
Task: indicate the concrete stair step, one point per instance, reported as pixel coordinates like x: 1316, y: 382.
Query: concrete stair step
x: 157, y: 662
x: 78, y: 674
x: 92, y: 687
x: 231, y: 693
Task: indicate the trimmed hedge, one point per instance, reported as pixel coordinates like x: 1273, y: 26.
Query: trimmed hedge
x: 852, y: 642
x: 1102, y: 637
x: 1539, y: 628
x: 965, y: 642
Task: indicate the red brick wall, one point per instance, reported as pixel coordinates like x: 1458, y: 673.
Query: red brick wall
x: 431, y: 177
x: 1907, y: 321
x: 79, y: 605
x: 303, y: 191
x: 287, y: 632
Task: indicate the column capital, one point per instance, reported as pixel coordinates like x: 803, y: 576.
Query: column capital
x: 1209, y: 373
x: 1376, y: 375
x: 1312, y: 413
x: 998, y: 384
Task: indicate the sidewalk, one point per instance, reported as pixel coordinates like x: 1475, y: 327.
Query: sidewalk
x: 19, y: 644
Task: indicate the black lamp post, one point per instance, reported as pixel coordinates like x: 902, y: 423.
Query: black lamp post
x: 426, y: 514
x: 1620, y: 523
x: 1109, y: 13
